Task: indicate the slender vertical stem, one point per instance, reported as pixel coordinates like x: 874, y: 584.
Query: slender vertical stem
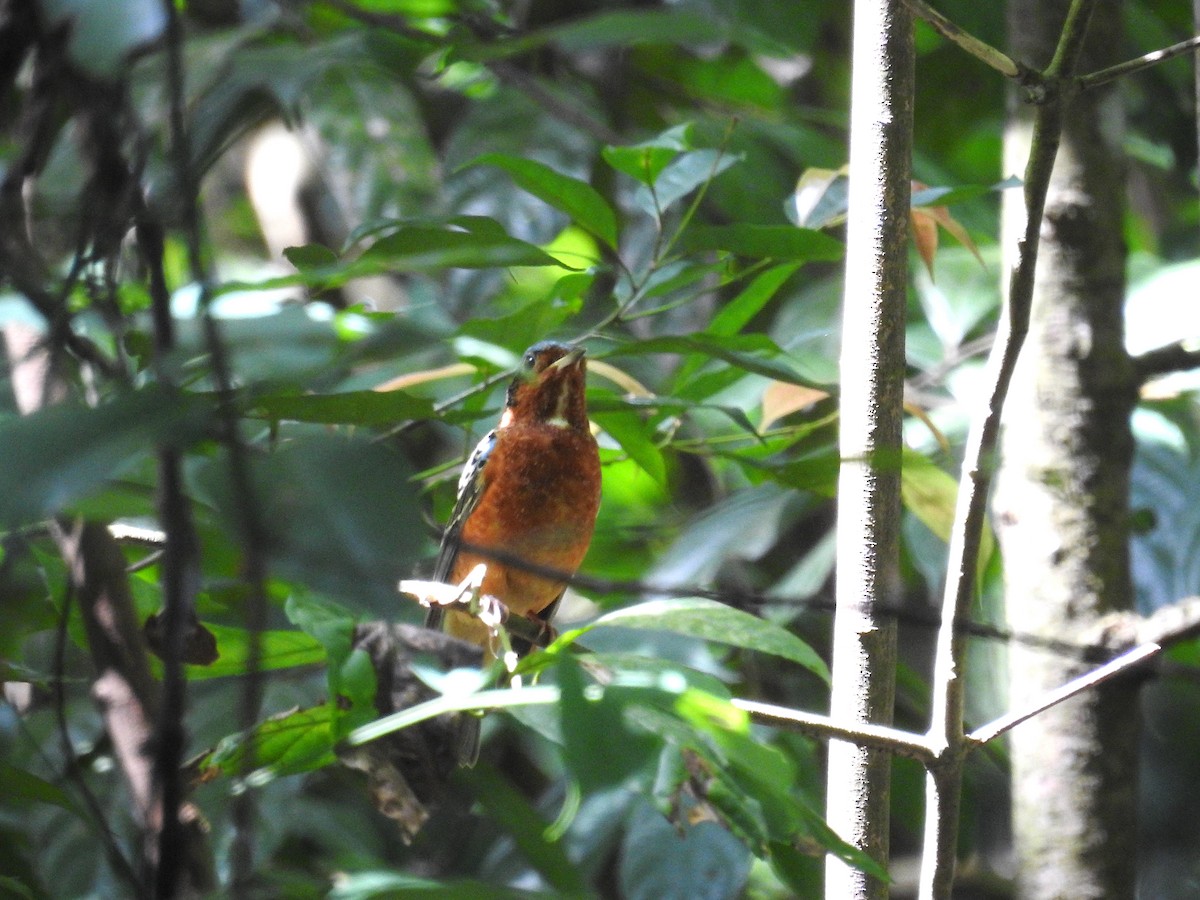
x: 872, y: 367
x: 944, y: 780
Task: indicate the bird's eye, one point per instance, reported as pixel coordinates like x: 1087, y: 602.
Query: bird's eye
x: 529, y: 360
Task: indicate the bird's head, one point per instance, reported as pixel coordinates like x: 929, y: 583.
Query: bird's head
x: 549, y: 387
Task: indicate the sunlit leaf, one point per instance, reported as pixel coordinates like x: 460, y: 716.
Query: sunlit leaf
x: 820, y: 199
x: 931, y: 495
x: 628, y: 431
x: 713, y: 621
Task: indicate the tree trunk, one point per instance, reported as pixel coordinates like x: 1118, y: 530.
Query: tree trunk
x: 1062, y: 493
x: 872, y: 369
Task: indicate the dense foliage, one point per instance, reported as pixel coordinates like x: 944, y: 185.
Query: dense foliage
x: 396, y: 199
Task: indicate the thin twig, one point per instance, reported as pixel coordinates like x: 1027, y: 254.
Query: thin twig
x: 1135, y: 657
x: 944, y: 782
x: 985, y: 53
x: 864, y: 734
x: 247, y: 508
x: 1104, y: 76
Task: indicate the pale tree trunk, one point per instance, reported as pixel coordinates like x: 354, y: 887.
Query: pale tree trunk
x: 872, y: 370
x: 1061, y: 505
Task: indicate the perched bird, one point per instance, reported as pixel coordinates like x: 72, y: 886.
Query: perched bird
x: 530, y: 491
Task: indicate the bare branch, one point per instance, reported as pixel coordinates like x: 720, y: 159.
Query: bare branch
x: 1179, y: 356
x: 1104, y: 76
x: 864, y: 734
x: 985, y: 53
x: 1135, y: 657
x: 944, y: 784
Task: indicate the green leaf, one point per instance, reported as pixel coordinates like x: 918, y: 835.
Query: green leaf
x: 311, y: 257
x: 277, y: 649
x: 340, y: 515
x: 63, y: 452
x: 601, y: 401
x: 682, y: 176
x: 628, y: 430
x: 783, y: 242
x: 289, y: 744
x: 21, y: 788
x: 348, y: 408
x: 736, y: 314
x: 418, y: 248
x: 600, y: 748
x: 618, y: 28
x: 752, y: 353
x: 712, y: 621
x: 645, y: 162
x: 578, y: 199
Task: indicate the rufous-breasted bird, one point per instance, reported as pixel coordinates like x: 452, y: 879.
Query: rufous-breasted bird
x: 530, y: 491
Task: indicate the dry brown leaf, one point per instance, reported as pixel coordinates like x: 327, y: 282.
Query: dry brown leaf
x: 782, y: 399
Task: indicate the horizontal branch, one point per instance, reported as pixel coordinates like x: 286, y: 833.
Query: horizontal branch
x: 1177, y: 357
x: 877, y: 737
x: 1103, y: 76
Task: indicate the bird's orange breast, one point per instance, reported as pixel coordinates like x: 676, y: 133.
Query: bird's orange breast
x: 539, y: 504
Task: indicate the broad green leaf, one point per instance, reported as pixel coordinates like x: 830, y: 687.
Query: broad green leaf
x: 277, y: 650
x: 782, y: 242
x: 605, y: 401
x: 752, y: 353
x: 645, y: 162
x: 349, y: 408
x: 601, y: 749
x: 712, y: 621
x: 735, y: 314
x: 311, y: 257
x: 63, y: 452
x: 288, y: 744
x: 578, y: 199
x: 340, y: 515
x: 682, y: 176
x: 631, y: 434
x: 21, y: 788
x: 417, y: 248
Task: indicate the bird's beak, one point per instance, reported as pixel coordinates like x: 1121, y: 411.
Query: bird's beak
x: 570, y: 359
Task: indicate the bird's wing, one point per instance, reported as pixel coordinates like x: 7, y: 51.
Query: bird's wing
x: 471, y: 486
